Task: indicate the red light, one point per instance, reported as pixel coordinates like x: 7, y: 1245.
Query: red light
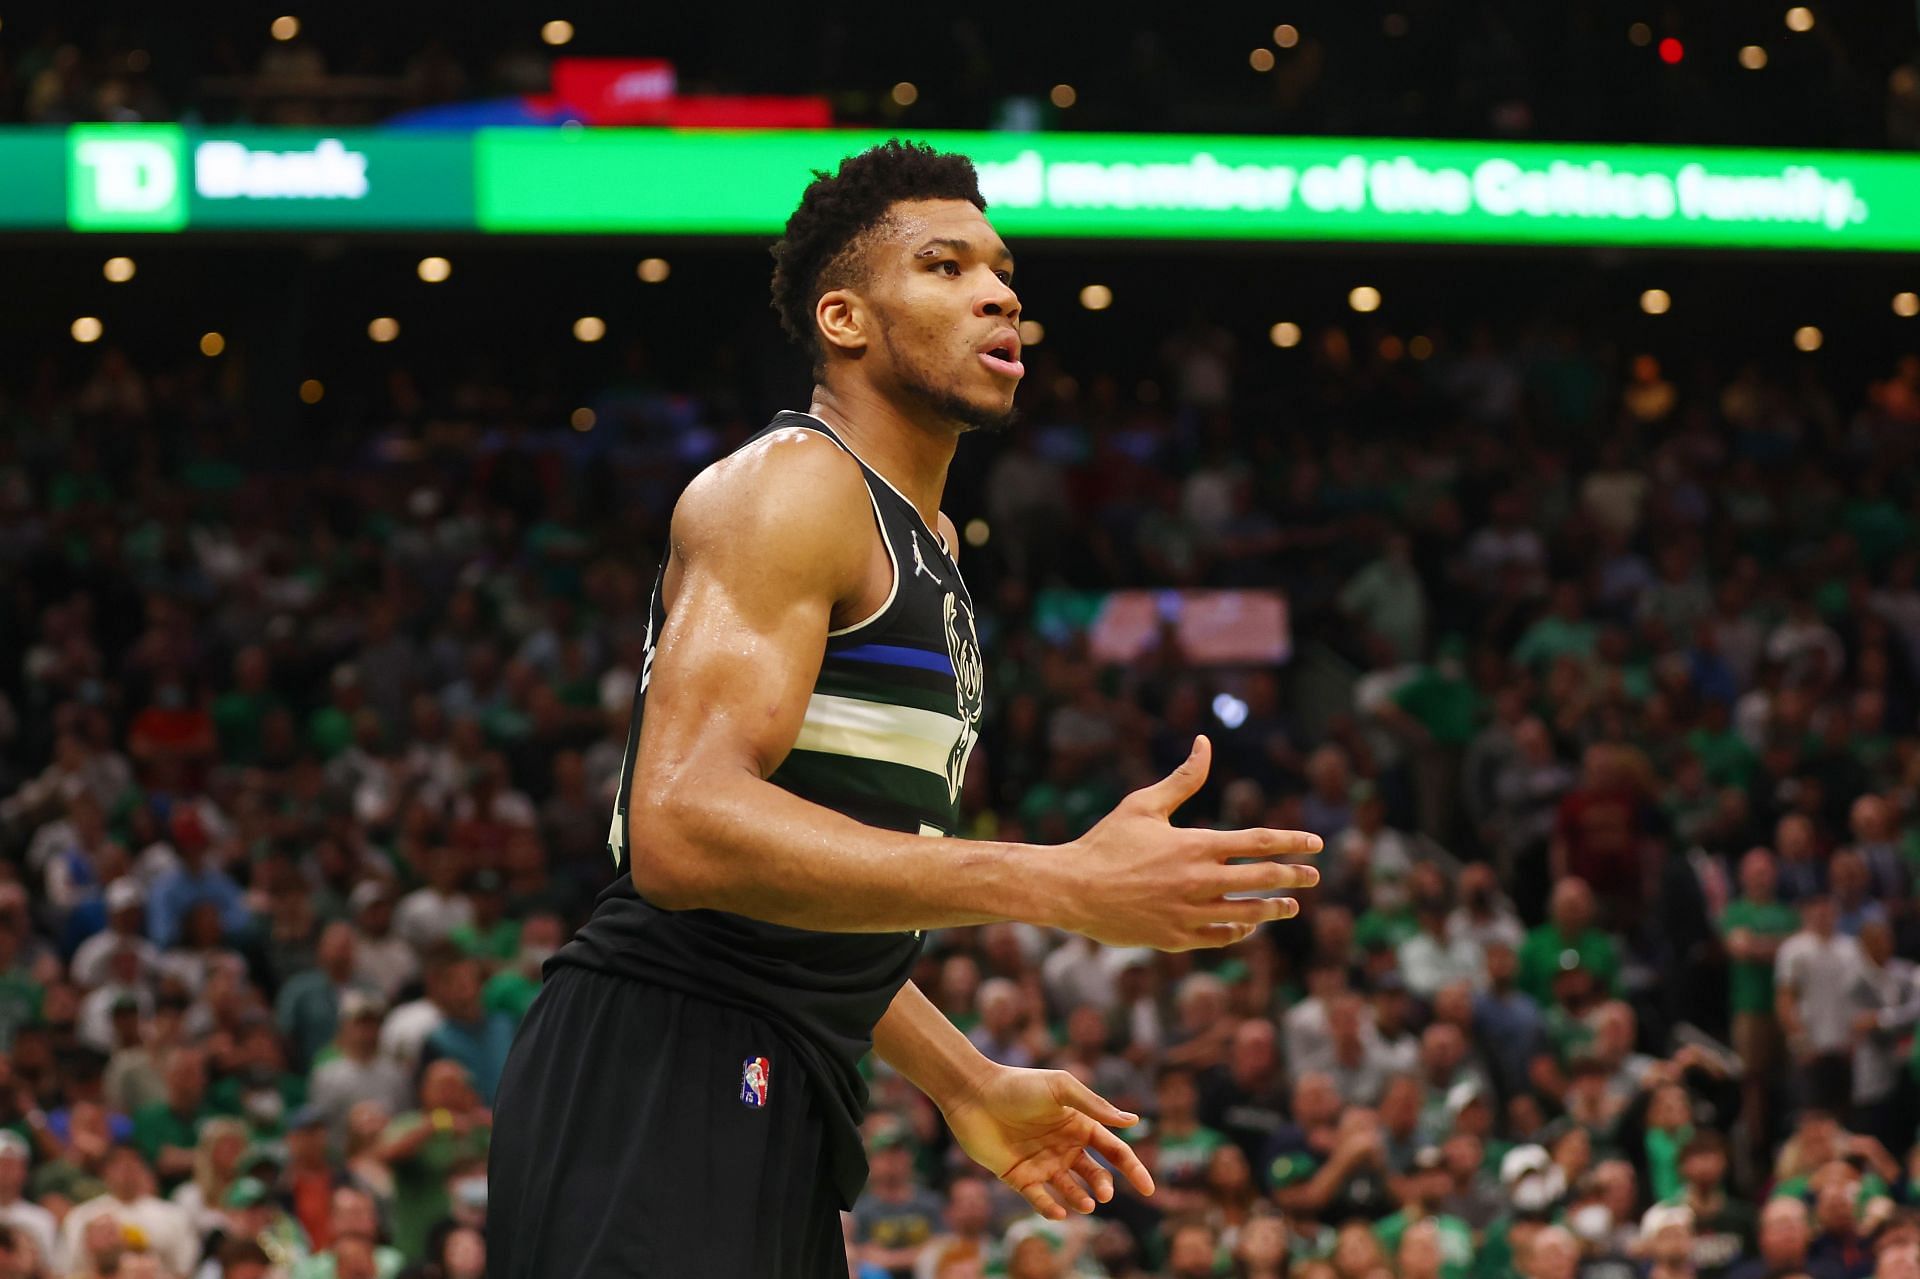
x: 1671, y: 51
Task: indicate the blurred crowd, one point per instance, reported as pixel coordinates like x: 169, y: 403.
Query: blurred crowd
x: 1602, y: 696
x: 1587, y: 71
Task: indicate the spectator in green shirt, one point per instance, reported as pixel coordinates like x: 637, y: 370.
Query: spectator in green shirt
x: 1186, y: 1144
x: 1436, y: 1248
x: 1387, y: 598
x: 1568, y: 940
x: 168, y: 1132
x: 330, y: 730
x: 489, y: 936
x: 354, y: 1226
x: 240, y: 713
x: 1562, y: 632
x: 422, y: 1147
x: 262, y: 1090
x: 512, y: 989
x: 1754, y: 925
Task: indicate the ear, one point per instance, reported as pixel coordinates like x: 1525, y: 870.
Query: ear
x: 843, y: 319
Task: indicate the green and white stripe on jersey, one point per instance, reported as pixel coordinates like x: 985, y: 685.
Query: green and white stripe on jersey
x: 859, y: 729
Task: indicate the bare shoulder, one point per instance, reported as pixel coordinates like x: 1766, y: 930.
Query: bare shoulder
x: 791, y: 495
x: 951, y: 536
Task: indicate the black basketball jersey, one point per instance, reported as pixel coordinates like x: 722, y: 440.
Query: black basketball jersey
x: 888, y: 729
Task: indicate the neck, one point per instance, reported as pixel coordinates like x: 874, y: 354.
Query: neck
x: 912, y: 451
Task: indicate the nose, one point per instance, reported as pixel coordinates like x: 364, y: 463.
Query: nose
x: 1000, y: 300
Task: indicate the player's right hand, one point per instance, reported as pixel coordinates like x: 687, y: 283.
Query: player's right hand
x: 1138, y: 880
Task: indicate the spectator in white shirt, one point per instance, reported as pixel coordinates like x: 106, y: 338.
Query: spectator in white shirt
x: 126, y: 926
x: 131, y: 1201
x: 25, y: 1216
x: 1813, y: 975
x: 1430, y: 959
x: 359, y: 1072
x: 1886, y: 1000
x: 123, y: 985
x: 1484, y: 915
x: 382, y: 959
x: 429, y: 913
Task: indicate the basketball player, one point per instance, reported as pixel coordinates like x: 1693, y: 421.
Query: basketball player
x: 684, y: 1097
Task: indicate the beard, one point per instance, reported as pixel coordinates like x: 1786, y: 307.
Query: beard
x: 918, y: 386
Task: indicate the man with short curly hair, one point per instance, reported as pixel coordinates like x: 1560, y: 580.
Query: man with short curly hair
x: 684, y: 1096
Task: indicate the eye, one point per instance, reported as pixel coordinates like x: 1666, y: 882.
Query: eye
x: 944, y: 264
x: 1006, y: 277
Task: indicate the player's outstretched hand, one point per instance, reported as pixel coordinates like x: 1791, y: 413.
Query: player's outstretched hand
x: 1038, y: 1130
x: 1137, y: 880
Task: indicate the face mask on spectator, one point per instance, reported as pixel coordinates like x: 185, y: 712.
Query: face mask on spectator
x: 470, y: 1196
x: 1591, y: 1222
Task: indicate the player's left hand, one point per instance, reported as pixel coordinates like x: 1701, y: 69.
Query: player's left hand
x: 1037, y: 1130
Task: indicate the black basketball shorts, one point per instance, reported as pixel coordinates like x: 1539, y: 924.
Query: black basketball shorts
x: 640, y: 1133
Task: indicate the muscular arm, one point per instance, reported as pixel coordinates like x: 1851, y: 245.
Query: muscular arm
x: 765, y: 545
x: 771, y: 548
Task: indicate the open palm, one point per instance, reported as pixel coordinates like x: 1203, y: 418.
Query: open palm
x: 1037, y: 1130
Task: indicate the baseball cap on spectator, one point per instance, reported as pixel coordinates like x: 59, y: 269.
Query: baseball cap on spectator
x: 247, y: 1192
x: 1531, y: 1179
x: 1582, y: 1064
x: 264, y: 1152
x: 186, y: 826
x: 1463, y: 1094
x: 888, y: 1134
x: 1662, y: 1216
x: 361, y: 1003
x: 366, y: 893
x: 125, y: 893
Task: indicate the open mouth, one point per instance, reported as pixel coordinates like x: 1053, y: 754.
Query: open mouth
x: 1004, y: 359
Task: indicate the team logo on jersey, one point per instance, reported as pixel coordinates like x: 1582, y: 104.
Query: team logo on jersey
x: 756, y: 1075
x: 969, y: 682
x: 920, y: 565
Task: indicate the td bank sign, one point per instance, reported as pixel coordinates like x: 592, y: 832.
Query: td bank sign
x: 145, y: 177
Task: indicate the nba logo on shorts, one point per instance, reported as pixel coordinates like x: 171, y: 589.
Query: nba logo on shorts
x: 755, y: 1075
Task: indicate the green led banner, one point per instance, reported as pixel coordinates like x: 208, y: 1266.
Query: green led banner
x: 160, y: 177
x: 1178, y: 187
x: 163, y: 177
x: 33, y: 178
